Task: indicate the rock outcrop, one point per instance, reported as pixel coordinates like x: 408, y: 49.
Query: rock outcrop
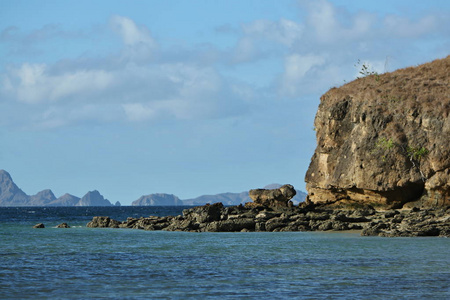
x: 63, y: 225
x: 272, y: 210
x: 219, y: 218
x: 384, y: 140
x: 274, y: 198
x: 103, y: 222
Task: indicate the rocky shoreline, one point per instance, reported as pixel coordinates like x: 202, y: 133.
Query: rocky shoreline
x: 306, y: 217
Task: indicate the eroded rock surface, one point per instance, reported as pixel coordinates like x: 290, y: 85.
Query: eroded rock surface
x: 384, y: 140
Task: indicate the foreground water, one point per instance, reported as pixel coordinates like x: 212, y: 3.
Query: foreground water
x: 87, y: 263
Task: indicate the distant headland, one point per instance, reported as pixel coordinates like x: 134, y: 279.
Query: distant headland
x: 12, y: 195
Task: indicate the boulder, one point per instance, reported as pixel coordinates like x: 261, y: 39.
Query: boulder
x: 39, y: 225
x: 206, y: 213
x: 63, y: 225
x: 275, y: 198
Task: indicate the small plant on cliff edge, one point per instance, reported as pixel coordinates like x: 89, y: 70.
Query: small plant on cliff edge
x: 366, y: 70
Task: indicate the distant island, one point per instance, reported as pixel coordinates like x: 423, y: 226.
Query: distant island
x: 12, y: 195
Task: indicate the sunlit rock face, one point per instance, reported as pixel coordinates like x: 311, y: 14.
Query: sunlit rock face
x: 384, y: 140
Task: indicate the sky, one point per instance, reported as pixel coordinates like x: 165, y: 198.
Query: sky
x: 187, y: 97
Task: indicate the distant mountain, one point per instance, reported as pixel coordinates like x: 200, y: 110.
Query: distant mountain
x: 65, y: 200
x: 157, y: 200
x: 93, y: 199
x: 225, y: 198
x: 43, y: 198
x: 12, y: 195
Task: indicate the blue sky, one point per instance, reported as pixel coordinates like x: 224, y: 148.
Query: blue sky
x: 187, y: 97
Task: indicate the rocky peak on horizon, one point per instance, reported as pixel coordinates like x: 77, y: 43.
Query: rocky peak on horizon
x: 12, y: 195
x: 42, y: 198
x: 66, y: 200
x: 93, y: 198
x: 157, y: 200
x: 384, y: 140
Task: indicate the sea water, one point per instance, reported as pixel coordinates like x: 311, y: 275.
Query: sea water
x: 88, y: 263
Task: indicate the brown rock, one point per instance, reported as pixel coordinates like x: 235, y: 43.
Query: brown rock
x: 39, y: 225
x: 63, y: 225
x: 103, y: 222
x: 384, y: 140
x: 275, y: 198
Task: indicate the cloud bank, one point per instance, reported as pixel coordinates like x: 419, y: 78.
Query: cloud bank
x: 146, y: 80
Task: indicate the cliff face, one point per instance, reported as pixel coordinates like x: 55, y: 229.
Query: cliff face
x: 384, y: 140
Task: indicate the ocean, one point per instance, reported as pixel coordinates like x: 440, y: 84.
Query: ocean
x: 104, y: 263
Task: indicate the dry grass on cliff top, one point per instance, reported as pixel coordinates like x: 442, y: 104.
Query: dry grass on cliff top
x: 425, y: 87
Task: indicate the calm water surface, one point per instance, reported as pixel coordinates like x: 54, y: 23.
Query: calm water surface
x: 86, y: 263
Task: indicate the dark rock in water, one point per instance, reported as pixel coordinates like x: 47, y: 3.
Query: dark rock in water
x: 103, y: 222
x: 63, y: 225
x: 272, y: 198
x: 39, y: 225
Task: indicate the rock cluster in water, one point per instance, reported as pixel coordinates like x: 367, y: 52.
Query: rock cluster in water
x: 285, y: 217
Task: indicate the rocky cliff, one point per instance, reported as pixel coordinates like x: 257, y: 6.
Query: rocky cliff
x: 384, y: 140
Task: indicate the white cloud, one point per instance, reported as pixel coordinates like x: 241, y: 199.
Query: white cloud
x: 260, y: 36
x: 32, y: 83
x: 399, y: 26
x: 137, y: 112
x: 284, y: 31
x: 138, y: 41
x: 144, y: 81
x: 131, y: 34
x: 296, y: 68
x: 326, y: 24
